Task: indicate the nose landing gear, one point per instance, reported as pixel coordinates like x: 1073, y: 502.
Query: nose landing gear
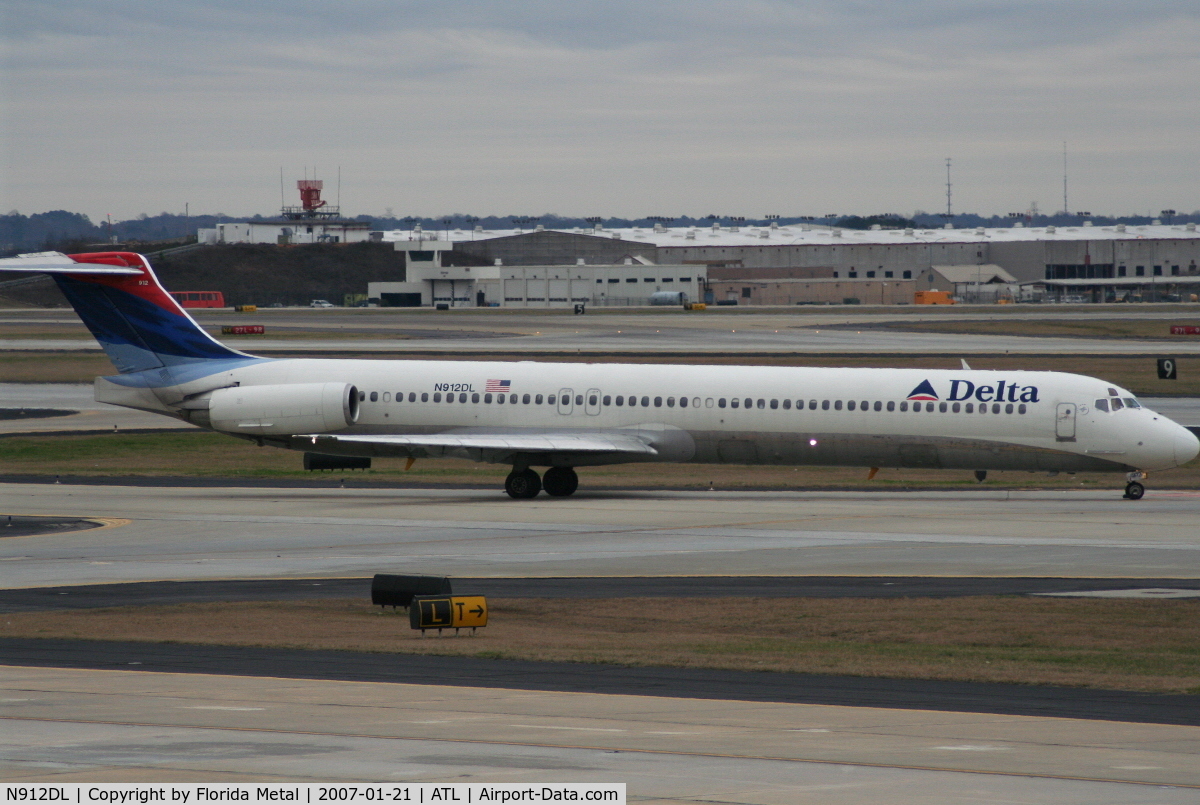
x: 1134, y: 489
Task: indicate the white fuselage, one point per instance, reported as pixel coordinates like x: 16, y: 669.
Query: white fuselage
x: 966, y: 419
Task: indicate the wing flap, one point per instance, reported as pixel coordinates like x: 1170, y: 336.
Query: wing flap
x: 490, y: 443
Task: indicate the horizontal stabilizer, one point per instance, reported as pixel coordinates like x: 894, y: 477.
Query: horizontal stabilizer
x: 59, y: 263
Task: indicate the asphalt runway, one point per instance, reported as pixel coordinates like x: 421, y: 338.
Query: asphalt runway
x: 689, y: 683
x: 683, y: 341
x: 742, y: 331
x: 149, y: 593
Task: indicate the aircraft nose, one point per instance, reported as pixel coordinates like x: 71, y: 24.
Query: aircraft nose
x: 1187, y: 446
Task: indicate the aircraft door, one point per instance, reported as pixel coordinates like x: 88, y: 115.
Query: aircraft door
x: 1064, y: 422
x: 566, y: 401
x: 592, y: 402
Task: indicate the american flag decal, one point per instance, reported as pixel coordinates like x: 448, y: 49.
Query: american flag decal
x: 498, y: 385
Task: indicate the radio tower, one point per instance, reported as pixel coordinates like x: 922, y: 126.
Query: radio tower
x: 312, y: 206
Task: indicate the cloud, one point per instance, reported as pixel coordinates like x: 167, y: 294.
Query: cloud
x: 606, y: 108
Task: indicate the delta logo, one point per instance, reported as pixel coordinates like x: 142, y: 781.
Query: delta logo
x: 1002, y: 391
x: 924, y: 392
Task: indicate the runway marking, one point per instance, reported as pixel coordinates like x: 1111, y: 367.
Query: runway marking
x: 671, y: 752
x: 571, y: 729
x: 217, y: 707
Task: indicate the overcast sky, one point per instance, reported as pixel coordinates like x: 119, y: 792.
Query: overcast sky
x: 602, y: 108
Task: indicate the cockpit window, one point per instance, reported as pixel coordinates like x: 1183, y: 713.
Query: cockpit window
x: 1102, y: 405
x: 1130, y: 402
x: 1117, y: 405
x: 1113, y: 393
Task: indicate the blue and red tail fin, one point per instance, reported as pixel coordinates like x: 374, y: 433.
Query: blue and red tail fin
x: 138, y: 324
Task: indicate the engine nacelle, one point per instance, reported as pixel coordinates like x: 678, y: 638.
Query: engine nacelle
x: 284, y: 409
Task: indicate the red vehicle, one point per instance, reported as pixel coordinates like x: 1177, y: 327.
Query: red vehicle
x: 199, y: 298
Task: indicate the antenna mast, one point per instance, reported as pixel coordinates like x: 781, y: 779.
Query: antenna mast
x: 1066, y: 209
x: 949, y: 213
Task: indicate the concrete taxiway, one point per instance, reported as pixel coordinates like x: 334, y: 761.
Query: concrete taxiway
x: 72, y: 725
x: 229, y: 532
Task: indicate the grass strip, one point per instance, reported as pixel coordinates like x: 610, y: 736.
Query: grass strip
x: 1117, y: 644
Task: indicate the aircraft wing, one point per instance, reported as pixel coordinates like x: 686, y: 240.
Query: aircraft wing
x: 485, y: 445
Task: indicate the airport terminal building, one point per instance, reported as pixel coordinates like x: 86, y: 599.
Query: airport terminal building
x: 808, y: 264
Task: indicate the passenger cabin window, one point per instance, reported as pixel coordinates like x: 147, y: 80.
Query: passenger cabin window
x: 670, y: 402
x: 824, y: 405
x: 850, y: 406
x: 787, y: 404
x: 658, y: 402
x: 537, y: 400
x: 607, y: 400
x: 550, y: 399
x: 374, y: 396
x: 645, y: 402
x: 970, y: 408
x: 812, y: 405
x: 891, y: 406
x: 721, y: 402
x: 487, y: 398
x: 748, y: 402
x: 620, y: 400
x: 904, y: 406
x: 734, y: 402
x: 475, y: 397
x: 512, y: 398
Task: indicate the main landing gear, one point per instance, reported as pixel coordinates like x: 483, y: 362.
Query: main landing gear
x: 558, y: 482
x: 1135, y: 489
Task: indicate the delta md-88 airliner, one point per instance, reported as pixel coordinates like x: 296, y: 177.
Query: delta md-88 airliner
x: 565, y: 415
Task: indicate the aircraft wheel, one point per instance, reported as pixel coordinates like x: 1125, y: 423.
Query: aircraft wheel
x: 1134, y: 491
x: 980, y: 475
x: 560, y: 481
x: 522, y: 485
